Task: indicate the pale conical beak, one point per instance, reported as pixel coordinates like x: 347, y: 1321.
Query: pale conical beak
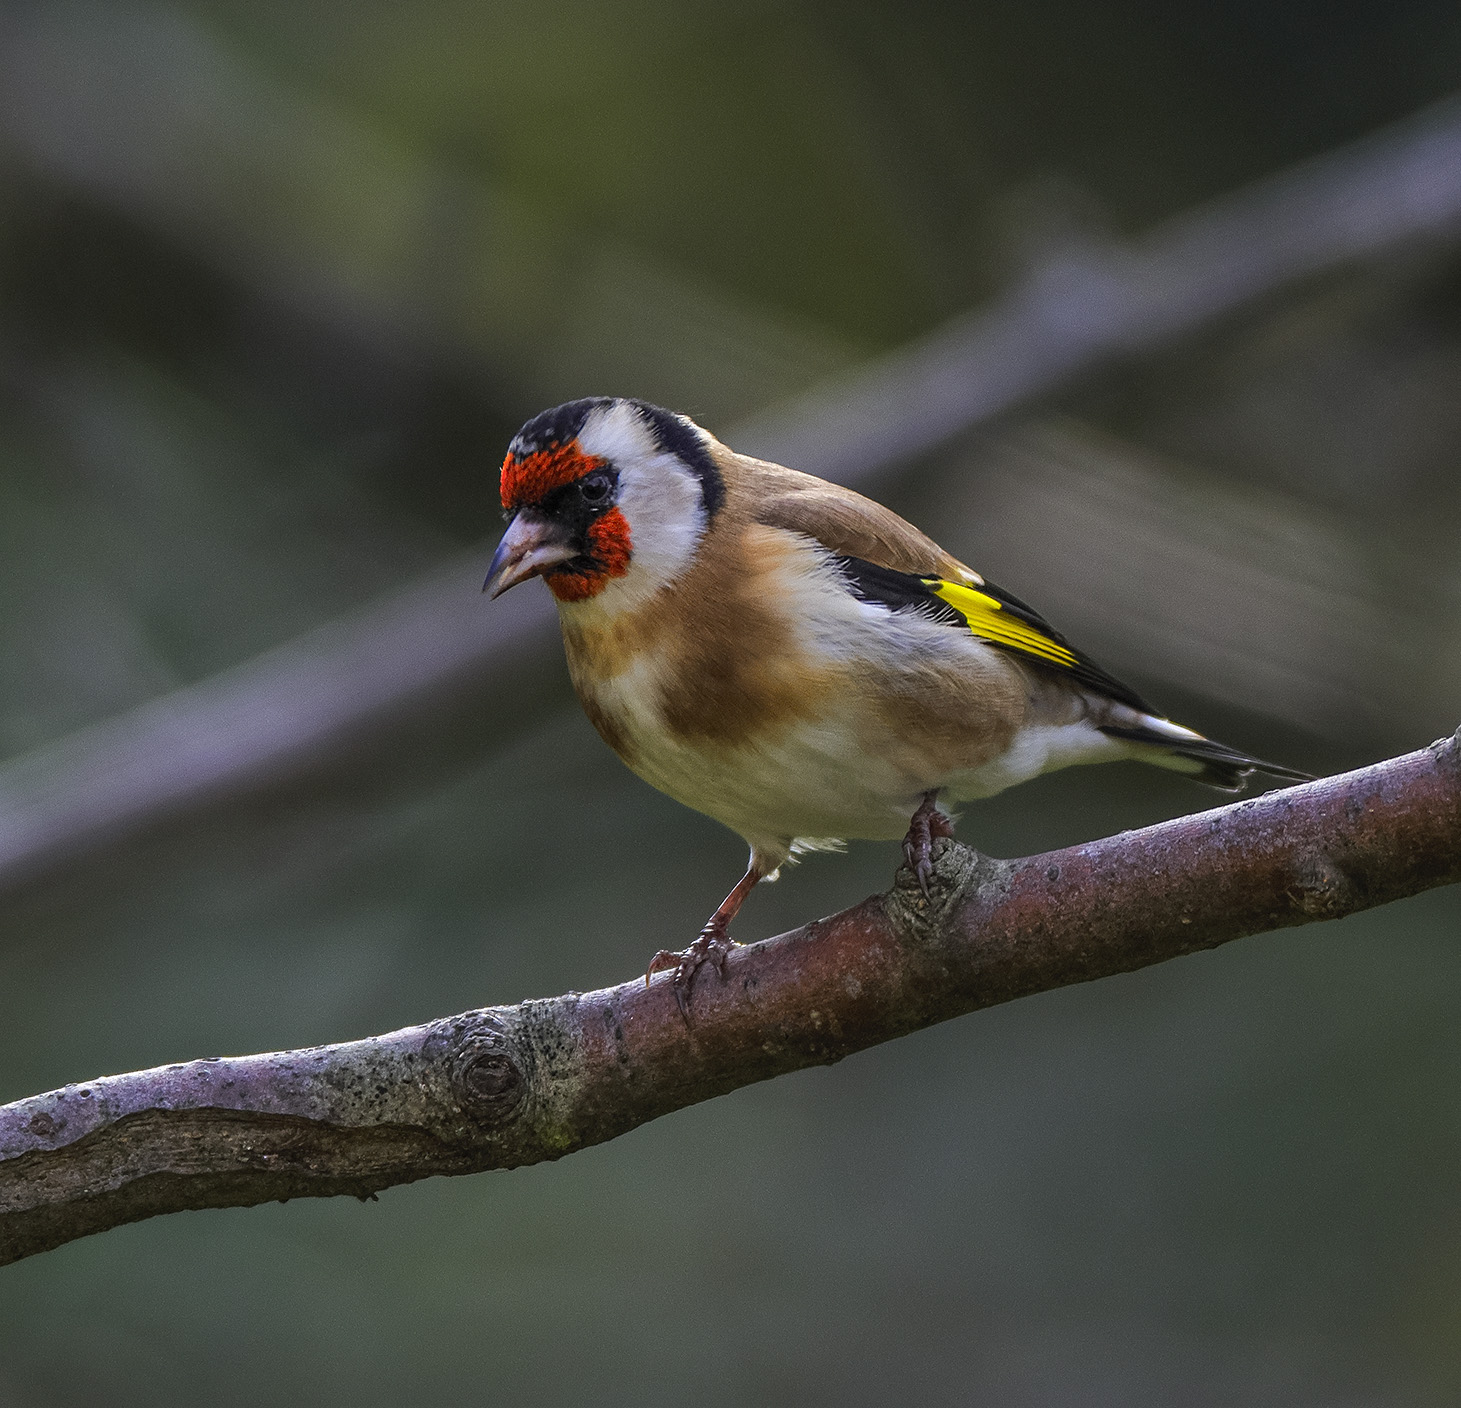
x: 530, y: 547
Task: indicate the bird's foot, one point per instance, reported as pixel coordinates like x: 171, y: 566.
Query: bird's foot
x: 926, y: 826
x: 713, y: 947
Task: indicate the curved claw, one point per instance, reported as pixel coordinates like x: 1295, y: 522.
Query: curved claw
x: 713, y: 946
x: 917, y: 858
x: 926, y: 824
x: 665, y: 958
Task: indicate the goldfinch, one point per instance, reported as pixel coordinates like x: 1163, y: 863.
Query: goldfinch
x: 792, y: 658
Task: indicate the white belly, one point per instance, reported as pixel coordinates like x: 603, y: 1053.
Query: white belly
x: 813, y: 786
x: 828, y: 779
x: 847, y: 766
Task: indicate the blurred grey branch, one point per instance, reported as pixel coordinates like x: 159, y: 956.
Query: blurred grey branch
x: 509, y: 1086
x: 144, y: 110
x: 65, y: 110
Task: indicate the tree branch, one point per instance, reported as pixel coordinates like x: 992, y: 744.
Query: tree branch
x: 507, y: 1086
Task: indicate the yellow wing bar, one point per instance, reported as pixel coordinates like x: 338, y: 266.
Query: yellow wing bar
x: 990, y: 620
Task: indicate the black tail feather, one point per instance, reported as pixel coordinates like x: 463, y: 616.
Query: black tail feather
x: 1222, y: 767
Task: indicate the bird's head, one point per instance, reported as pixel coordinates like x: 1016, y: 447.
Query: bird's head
x: 604, y: 496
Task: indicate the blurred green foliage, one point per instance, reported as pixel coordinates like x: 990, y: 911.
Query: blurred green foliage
x: 277, y: 282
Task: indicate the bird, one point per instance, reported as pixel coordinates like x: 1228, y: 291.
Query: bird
x: 792, y: 658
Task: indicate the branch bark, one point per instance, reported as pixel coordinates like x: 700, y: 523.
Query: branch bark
x: 507, y: 1086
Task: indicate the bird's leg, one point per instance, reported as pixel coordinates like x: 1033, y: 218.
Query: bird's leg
x: 927, y: 824
x: 713, y: 945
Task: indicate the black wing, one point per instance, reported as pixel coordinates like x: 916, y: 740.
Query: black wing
x: 991, y: 614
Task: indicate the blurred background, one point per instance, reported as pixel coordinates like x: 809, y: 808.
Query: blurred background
x: 277, y: 283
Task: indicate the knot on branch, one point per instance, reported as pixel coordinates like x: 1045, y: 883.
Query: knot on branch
x: 488, y: 1082
x: 958, y: 873
x: 485, y: 1071
x: 1321, y: 889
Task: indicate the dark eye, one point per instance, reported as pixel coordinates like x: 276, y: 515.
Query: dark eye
x: 597, y: 488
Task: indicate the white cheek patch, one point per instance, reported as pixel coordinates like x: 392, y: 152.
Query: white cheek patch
x: 660, y: 497
x: 663, y: 503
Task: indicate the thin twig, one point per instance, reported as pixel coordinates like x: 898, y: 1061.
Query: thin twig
x: 508, y: 1086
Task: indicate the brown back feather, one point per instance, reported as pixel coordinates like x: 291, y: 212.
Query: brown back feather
x: 843, y: 521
